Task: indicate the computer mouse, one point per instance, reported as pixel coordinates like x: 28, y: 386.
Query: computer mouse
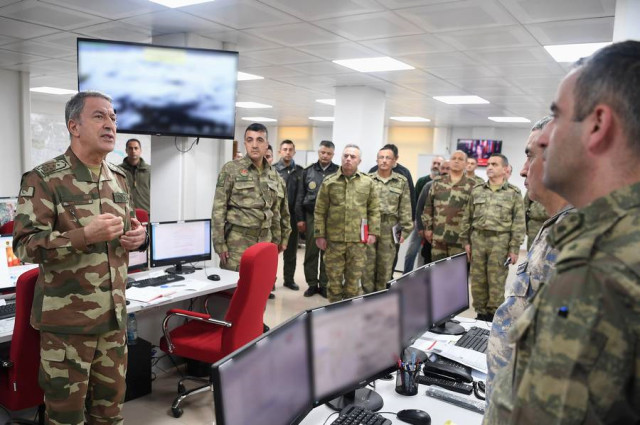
x: 213, y: 277
x: 414, y: 417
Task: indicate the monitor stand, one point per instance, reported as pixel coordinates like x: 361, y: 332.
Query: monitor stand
x: 362, y: 397
x: 180, y: 269
x: 448, y: 328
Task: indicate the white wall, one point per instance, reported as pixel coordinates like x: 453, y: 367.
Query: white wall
x: 10, y: 123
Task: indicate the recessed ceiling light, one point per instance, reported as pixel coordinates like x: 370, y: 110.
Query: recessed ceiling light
x: 252, y: 105
x: 243, y: 76
x: 509, y: 119
x: 52, y: 90
x: 179, y: 3
x: 322, y: 118
x: 380, y: 64
x: 259, y: 119
x: 331, y: 102
x: 573, y: 52
x: 461, y: 100
x: 410, y: 119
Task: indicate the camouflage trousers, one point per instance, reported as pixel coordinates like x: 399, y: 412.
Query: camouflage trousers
x: 79, y: 372
x: 380, y: 255
x: 312, y: 256
x: 441, y: 249
x: 345, y: 263
x: 489, y: 250
x: 238, y: 240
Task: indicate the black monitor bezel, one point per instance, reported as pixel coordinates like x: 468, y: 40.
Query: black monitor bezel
x: 177, y: 260
x: 215, y: 369
x: 370, y: 378
x: 444, y: 320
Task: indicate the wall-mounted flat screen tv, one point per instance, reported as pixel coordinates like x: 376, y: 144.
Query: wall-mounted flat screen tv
x: 159, y: 90
x: 480, y: 149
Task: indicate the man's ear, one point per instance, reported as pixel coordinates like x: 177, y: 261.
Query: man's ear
x: 600, y: 128
x: 72, y: 126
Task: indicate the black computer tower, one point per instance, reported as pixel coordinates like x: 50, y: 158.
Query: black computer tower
x: 138, y: 370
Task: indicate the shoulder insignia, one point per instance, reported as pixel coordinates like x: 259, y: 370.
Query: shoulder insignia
x: 221, y: 178
x: 514, y: 187
x: 27, y: 192
x: 116, y: 169
x: 52, y: 166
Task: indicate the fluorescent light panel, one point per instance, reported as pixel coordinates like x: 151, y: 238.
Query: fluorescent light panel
x: 573, y: 52
x: 331, y: 102
x: 461, y: 100
x: 243, y: 76
x: 252, y: 105
x: 52, y: 90
x: 410, y: 119
x: 259, y: 119
x: 179, y: 3
x: 509, y: 119
x: 322, y: 118
x: 380, y: 64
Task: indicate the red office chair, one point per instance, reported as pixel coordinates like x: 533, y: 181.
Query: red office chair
x: 208, y: 340
x: 19, y: 387
x: 142, y: 215
x: 7, y: 228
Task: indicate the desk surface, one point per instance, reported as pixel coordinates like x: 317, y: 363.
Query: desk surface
x: 194, y: 285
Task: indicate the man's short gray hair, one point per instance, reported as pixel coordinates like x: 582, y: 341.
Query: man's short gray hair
x: 351, y: 145
x: 542, y: 123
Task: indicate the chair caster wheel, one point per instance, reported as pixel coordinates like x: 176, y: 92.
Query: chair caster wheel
x: 181, y: 388
x: 177, y: 412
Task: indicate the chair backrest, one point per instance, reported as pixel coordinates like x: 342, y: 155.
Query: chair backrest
x: 21, y: 389
x: 142, y: 215
x: 258, y: 267
x: 7, y: 228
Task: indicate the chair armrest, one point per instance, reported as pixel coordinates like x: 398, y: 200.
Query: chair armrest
x: 201, y: 317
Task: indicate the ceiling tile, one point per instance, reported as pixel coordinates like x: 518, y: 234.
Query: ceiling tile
x: 281, y: 56
x: 241, y: 41
x: 117, y: 31
x: 507, y: 36
x: 315, y: 10
x: 39, y: 13
x: 396, y: 46
x: 370, y: 26
x: 570, y: 32
x: 529, y: 69
x: 463, y: 71
x: 39, y: 49
x: 296, y: 34
x: 273, y: 71
x: 173, y: 21
x: 498, y: 57
x: 22, y: 30
x: 320, y: 68
x: 399, y: 4
x: 65, y: 40
x: 8, y: 58
x: 437, y: 60
x: 112, y: 9
x: 337, y: 51
x: 240, y: 14
x: 530, y: 11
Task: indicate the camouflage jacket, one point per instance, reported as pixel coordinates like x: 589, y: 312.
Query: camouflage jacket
x: 530, y: 274
x: 501, y: 211
x: 285, y: 216
x: 343, y: 202
x: 534, y: 216
x: 80, y: 289
x: 578, y: 344
x: 139, y: 181
x: 444, y: 208
x: 476, y: 179
x: 247, y: 197
x: 395, y: 200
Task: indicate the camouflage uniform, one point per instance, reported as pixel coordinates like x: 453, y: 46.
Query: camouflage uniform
x: 343, y: 202
x: 531, y: 274
x: 139, y: 181
x: 493, y: 223
x: 534, y: 216
x: 477, y: 179
x: 442, y: 215
x: 577, y: 345
x: 395, y: 209
x: 79, y: 301
x: 291, y: 176
x: 247, y: 209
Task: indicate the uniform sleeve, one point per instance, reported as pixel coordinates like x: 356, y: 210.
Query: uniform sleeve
x: 428, y: 211
x: 406, y: 217
x: 465, y: 224
x: 219, y: 213
x: 299, y: 210
x: 421, y: 203
x: 285, y: 219
x: 517, y: 225
x: 35, y: 240
x: 412, y: 195
x: 276, y: 211
x: 373, y: 211
x: 320, y: 212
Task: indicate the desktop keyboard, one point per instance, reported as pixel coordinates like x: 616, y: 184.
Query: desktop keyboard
x: 448, y: 384
x: 7, y: 311
x: 475, y: 339
x: 157, y: 281
x: 355, y: 415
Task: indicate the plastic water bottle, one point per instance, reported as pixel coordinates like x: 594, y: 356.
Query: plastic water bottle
x: 132, y: 329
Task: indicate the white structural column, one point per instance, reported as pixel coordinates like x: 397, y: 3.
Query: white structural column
x: 359, y: 119
x: 627, y: 17
x: 441, y: 136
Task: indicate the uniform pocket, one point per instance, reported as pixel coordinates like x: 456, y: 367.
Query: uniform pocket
x: 244, y: 193
x: 54, y: 373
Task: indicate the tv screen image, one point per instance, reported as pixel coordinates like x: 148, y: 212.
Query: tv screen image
x: 480, y: 149
x: 163, y: 90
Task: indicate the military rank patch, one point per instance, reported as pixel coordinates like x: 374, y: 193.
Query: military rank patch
x: 221, y: 178
x: 244, y: 172
x: 51, y: 167
x: 312, y: 185
x: 27, y: 192
x: 120, y: 197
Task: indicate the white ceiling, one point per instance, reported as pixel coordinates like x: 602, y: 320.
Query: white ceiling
x: 490, y: 48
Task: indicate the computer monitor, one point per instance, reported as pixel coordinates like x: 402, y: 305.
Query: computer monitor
x: 10, y: 266
x: 179, y: 242
x: 415, y: 303
x: 139, y: 260
x: 8, y: 206
x: 449, y: 293
x: 354, y: 342
x: 268, y: 381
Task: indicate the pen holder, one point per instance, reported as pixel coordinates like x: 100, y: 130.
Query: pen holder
x: 406, y: 379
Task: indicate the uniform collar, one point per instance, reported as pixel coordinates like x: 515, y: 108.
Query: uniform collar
x: 504, y: 185
x: 279, y: 166
x: 246, y: 161
x: 141, y: 165
x: 80, y: 170
x: 339, y: 173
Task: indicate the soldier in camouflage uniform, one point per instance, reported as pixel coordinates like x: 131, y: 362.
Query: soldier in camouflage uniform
x: 470, y: 170
x: 534, y: 217
x: 445, y: 204
x: 539, y: 263
x: 395, y: 210
x: 346, y: 199
x: 493, y: 230
x: 75, y: 219
x: 578, y: 344
x: 248, y: 202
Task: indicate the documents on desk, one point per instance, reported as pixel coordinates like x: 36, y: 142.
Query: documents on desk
x: 157, y: 294
x: 471, y: 358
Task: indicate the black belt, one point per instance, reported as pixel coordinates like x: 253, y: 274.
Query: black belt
x: 249, y: 231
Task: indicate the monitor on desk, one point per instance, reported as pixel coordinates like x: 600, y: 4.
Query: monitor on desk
x: 268, y: 381
x: 354, y: 342
x: 139, y: 260
x: 414, y: 288
x: 10, y: 266
x: 449, y: 293
x: 178, y: 242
